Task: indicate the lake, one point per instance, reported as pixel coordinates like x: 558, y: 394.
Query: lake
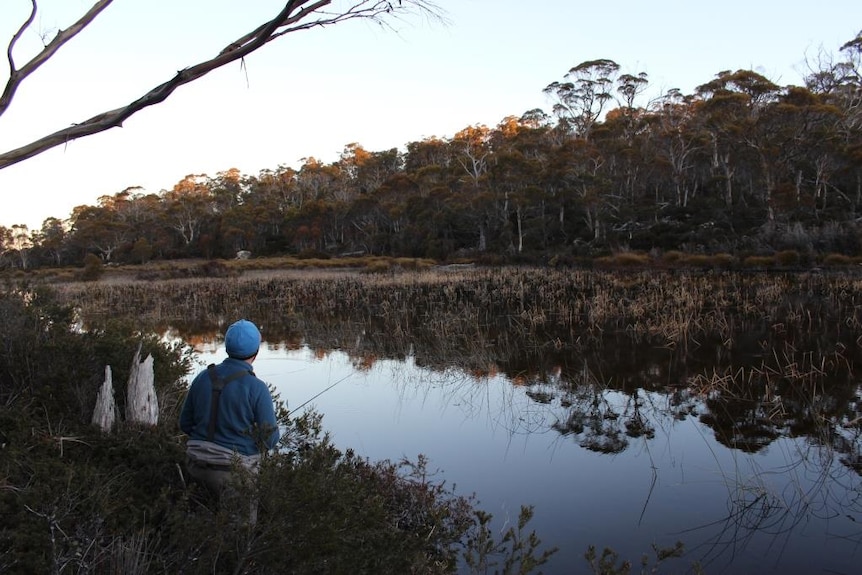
x: 791, y: 507
x: 630, y: 409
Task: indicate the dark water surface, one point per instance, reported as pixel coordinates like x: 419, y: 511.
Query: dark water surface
x: 744, y: 490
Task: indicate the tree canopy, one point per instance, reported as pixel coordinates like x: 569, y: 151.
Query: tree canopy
x: 741, y: 165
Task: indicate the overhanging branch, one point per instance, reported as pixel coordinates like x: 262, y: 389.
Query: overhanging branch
x: 295, y: 15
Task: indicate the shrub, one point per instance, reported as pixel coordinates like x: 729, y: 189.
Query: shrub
x: 35, y: 327
x: 836, y: 260
x: 312, y: 254
x: 787, y: 258
x: 697, y: 261
x: 631, y: 259
x: 622, y: 260
x: 378, y: 267
x: 723, y: 261
x: 93, y: 268
x: 77, y: 500
x: 672, y: 256
x: 758, y: 262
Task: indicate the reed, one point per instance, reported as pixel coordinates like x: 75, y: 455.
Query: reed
x: 474, y: 317
x: 571, y: 306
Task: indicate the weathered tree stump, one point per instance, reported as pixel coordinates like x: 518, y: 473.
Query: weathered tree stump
x: 105, y: 413
x: 142, y: 405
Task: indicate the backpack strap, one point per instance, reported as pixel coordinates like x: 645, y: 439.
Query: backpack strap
x: 218, y: 384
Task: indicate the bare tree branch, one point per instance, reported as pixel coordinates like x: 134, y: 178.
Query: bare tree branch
x: 296, y: 15
x: 63, y: 36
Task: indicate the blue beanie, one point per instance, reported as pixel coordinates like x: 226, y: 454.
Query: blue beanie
x: 242, y: 339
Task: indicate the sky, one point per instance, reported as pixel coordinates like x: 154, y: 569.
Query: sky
x: 311, y: 93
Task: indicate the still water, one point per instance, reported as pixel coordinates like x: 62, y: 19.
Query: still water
x: 791, y: 507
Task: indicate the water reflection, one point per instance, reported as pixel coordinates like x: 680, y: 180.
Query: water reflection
x: 605, y: 461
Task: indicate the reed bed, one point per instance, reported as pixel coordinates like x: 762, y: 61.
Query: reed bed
x: 665, y: 309
x: 476, y: 317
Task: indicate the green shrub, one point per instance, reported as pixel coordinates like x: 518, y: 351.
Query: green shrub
x: 55, y: 370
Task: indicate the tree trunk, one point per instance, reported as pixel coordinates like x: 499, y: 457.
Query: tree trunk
x: 142, y: 406
x: 105, y: 413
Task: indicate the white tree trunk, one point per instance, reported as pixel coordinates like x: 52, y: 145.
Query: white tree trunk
x: 105, y: 413
x: 142, y: 406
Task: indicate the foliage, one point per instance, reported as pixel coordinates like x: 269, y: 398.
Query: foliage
x: 49, y: 368
x: 93, y: 268
x: 609, y: 562
x: 516, y: 548
x: 742, y: 166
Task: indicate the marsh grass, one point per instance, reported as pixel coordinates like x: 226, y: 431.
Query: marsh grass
x: 575, y: 307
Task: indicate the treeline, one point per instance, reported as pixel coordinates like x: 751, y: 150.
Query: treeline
x: 741, y: 166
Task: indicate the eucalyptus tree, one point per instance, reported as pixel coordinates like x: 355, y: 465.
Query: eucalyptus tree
x: 471, y: 150
x: 323, y: 204
x: 428, y: 152
x: 584, y: 95
x: 228, y: 189
x: 677, y: 139
x: 292, y: 16
x: 814, y: 151
x: 275, y: 191
x: 21, y: 245
x: 431, y: 165
x: 140, y: 216
x: 523, y: 160
x: 839, y: 83
x: 623, y: 137
x: 5, y: 247
x: 51, y: 240
x: 428, y: 163
x: 188, y: 207
x: 365, y: 170
x: 535, y: 136
x: 97, y: 229
x: 749, y: 94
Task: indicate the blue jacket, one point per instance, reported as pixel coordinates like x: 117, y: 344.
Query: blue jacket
x: 245, y: 408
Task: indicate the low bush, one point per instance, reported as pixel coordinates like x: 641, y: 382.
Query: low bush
x: 758, y: 262
x: 835, y: 260
x: 93, y: 268
x: 787, y: 258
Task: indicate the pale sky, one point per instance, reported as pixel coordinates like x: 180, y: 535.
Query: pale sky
x: 313, y: 92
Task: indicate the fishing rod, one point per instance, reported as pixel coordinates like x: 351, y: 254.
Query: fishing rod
x: 315, y: 396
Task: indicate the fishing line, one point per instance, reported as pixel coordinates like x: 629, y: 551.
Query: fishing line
x: 315, y: 396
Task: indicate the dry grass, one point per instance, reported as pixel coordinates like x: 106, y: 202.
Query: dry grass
x: 667, y: 309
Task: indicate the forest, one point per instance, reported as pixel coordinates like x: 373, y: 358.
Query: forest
x: 742, y: 166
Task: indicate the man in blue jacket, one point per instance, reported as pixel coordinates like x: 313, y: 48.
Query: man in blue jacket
x: 229, y: 414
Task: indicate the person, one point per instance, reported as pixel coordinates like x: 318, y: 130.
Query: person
x: 229, y: 424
